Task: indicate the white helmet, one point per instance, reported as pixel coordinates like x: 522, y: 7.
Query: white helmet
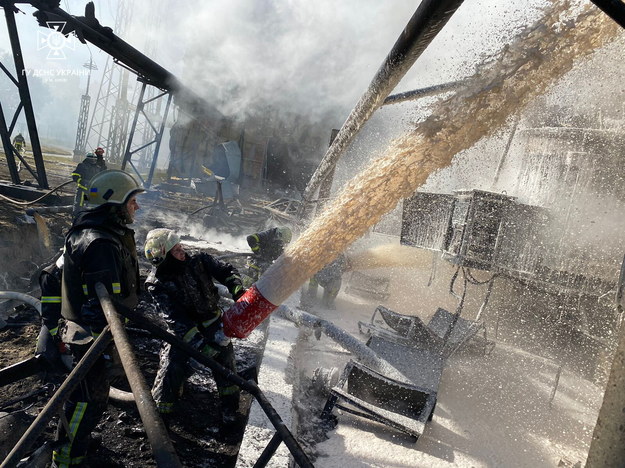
x: 112, y: 187
x: 158, y: 242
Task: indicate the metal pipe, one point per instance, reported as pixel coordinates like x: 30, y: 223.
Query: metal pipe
x: 30, y: 300
x: 162, y: 448
x: 50, y: 209
x: 424, y: 25
x: 25, y: 99
x: 422, y: 92
x: 58, y: 399
x: 365, y: 355
x: 121, y: 396
x: 248, y: 385
x: 506, y: 150
x: 268, y: 452
x: 615, y: 9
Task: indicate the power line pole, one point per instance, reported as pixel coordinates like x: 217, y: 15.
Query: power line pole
x: 83, y: 116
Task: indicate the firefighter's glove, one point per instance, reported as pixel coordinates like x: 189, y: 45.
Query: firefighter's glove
x: 239, y: 291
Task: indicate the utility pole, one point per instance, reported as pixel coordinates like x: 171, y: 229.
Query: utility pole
x: 83, y: 116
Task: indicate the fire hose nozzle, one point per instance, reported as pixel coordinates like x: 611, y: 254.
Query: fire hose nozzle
x: 247, y: 313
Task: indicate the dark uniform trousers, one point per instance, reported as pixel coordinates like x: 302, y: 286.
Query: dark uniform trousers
x: 174, y: 369
x: 86, y: 405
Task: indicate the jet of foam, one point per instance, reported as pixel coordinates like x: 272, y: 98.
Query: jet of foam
x: 523, y: 70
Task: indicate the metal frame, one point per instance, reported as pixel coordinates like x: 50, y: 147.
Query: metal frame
x: 158, y: 134
x: 109, y: 121
x: 426, y: 22
x: 21, y: 82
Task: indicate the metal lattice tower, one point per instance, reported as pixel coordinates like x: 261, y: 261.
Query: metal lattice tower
x: 109, y: 121
x: 83, y: 116
x: 154, y: 108
x: 151, y: 107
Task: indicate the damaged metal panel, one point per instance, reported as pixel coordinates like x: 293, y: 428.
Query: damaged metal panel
x: 426, y: 220
x: 476, y: 224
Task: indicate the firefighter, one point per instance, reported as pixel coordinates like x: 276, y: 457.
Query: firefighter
x: 19, y: 143
x: 184, y: 291
x: 49, y: 342
x: 330, y: 279
x: 267, y: 246
x: 92, y: 164
x: 50, y: 285
x: 99, y: 248
x: 99, y: 152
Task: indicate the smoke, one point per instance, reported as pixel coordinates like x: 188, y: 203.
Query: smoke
x: 305, y: 57
x: 190, y: 229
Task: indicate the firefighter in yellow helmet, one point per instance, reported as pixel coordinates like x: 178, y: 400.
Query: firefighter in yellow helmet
x: 183, y: 288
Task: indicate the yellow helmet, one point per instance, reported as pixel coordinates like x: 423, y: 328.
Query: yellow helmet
x: 113, y: 187
x: 158, y: 242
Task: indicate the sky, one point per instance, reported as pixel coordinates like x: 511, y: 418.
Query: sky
x: 311, y: 58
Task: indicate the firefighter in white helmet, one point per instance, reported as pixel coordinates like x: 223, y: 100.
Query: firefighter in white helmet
x: 99, y: 248
x: 184, y: 291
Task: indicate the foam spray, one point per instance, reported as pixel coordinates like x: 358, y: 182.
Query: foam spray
x: 523, y: 70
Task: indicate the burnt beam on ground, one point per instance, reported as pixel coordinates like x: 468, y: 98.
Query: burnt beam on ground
x: 58, y: 399
x: 249, y: 386
x: 162, y: 447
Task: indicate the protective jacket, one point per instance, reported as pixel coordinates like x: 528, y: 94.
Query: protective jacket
x: 188, y: 301
x: 19, y: 142
x: 185, y: 291
x: 84, y: 172
x: 331, y: 274
x: 86, y: 169
x: 98, y: 248
x: 50, y: 285
x: 267, y: 245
